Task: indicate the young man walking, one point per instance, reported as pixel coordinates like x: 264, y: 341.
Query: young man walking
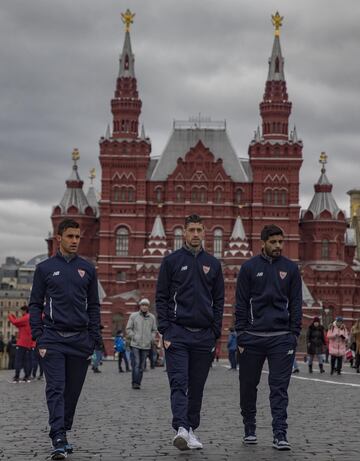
x: 65, y: 322
x: 268, y: 323
x: 141, y: 329
x: 189, y: 304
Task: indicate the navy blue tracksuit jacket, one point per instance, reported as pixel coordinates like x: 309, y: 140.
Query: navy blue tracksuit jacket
x: 269, y: 296
x: 64, y: 298
x: 190, y: 291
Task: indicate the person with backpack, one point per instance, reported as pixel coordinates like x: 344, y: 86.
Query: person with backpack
x: 120, y: 348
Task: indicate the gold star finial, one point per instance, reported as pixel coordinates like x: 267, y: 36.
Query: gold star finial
x: 323, y: 161
x: 127, y: 18
x: 75, y: 155
x: 92, y: 174
x: 276, y: 20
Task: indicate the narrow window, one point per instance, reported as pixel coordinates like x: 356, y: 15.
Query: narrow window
x: 218, y: 241
x: 122, y: 242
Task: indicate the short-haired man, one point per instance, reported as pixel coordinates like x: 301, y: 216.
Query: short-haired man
x: 65, y: 322
x: 189, y: 303
x: 268, y: 323
x: 141, y: 329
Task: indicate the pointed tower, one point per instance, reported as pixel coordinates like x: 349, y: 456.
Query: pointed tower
x: 124, y: 159
x: 238, y: 244
x: 91, y: 193
x: 323, y: 224
x: 75, y: 205
x: 157, y: 247
x: 276, y: 158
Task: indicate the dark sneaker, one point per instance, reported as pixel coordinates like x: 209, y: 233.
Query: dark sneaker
x: 69, y: 448
x: 136, y: 386
x: 250, y: 439
x: 59, y: 451
x: 15, y: 380
x: 280, y: 442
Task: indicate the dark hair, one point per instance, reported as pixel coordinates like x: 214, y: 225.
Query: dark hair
x: 66, y: 224
x: 193, y: 218
x: 269, y: 231
x: 24, y: 308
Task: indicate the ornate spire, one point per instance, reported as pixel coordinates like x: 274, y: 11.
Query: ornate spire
x: 238, y: 245
x: 127, y: 19
x: 91, y: 193
x: 276, y: 19
x: 157, y: 246
x: 323, y: 198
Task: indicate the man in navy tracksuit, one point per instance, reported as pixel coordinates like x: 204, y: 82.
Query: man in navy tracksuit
x: 189, y: 304
x: 268, y: 323
x: 65, y: 322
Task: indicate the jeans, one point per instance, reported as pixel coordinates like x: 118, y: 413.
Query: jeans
x: 138, y: 358
x: 320, y: 358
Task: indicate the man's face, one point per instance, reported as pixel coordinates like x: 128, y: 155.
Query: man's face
x: 316, y: 324
x: 194, y: 234
x: 273, y: 245
x: 69, y: 241
x: 144, y: 308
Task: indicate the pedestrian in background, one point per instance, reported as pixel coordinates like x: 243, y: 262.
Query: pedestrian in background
x: 232, y: 348
x: 355, y: 339
x: 65, y: 322
x: 315, y: 339
x: 24, y: 344
x: 189, y: 304
x: 141, y: 329
x: 36, y: 363
x: 120, y: 349
x: 2, y: 352
x: 11, y: 352
x: 338, y: 336
x: 268, y: 322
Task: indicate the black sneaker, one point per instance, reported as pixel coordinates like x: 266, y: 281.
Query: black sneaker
x: 59, y: 451
x: 280, y: 442
x: 15, y: 380
x: 68, y: 447
x: 250, y: 435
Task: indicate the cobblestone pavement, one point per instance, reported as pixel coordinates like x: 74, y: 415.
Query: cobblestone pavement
x: 114, y: 422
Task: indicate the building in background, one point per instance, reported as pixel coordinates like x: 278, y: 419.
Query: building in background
x: 144, y: 199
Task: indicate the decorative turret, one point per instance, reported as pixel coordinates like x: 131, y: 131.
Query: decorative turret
x: 126, y: 105
x: 323, y: 224
x: 275, y: 108
x: 238, y: 244
x: 157, y: 245
x: 91, y: 193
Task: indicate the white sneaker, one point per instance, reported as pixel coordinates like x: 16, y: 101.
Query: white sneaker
x: 194, y: 443
x: 181, y: 439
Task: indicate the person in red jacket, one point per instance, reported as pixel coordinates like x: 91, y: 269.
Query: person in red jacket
x: 24, y: 344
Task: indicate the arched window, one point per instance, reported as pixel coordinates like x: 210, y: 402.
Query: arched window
x: 238, y: 195
x: 194, y: 194
x: 131, y: 194
x: 116, y: 194
x: 179, y: 194
x: 158, y: 195
x: 218, y: 241
x: 268, y: 196
x: 122, y: 242
x: 325, y: 249
x: 218, y: 195
x: 203, y: 194
x: 178, y: 238
x: 123, y: 194
x: 276, y: 197
x: 283, y: 197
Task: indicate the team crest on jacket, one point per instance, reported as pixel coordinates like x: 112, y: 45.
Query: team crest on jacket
x: 81, y: 273
x: 206, y: 269
x: 283, y: 274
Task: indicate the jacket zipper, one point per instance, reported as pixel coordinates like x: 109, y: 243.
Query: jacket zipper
x: 175, y: 304
x: 51, y: 310
x: 251, y: 312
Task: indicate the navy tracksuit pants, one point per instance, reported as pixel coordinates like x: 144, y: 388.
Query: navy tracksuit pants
x: 65, y: 365
x: 188, y: 361
x: 279, y: 352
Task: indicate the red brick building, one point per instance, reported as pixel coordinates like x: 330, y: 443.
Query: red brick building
x: 144, y: 200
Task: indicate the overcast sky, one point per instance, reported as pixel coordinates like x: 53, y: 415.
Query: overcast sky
x: 59, y: 61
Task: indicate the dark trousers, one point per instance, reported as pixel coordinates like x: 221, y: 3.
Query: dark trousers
x: 188, y: 360
x: 336, y: 363
x: 232, y: 359
x: 357, y: 360
x: 138, y: 358
x: 35, y: 363
x: 122, y: 356
x: 279, y: 352
x: 65, y: 375
x: 22, y: 360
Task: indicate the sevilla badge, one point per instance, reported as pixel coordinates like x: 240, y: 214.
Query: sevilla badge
x: 283, y: 274
x: 206, y: 269
x: 81, y: 273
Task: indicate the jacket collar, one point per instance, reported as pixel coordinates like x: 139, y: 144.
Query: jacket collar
x: 66, y: 258
x: 269, y: 259
x: 192, y: 250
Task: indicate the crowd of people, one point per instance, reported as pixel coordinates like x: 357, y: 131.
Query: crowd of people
x: 60, y: 332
